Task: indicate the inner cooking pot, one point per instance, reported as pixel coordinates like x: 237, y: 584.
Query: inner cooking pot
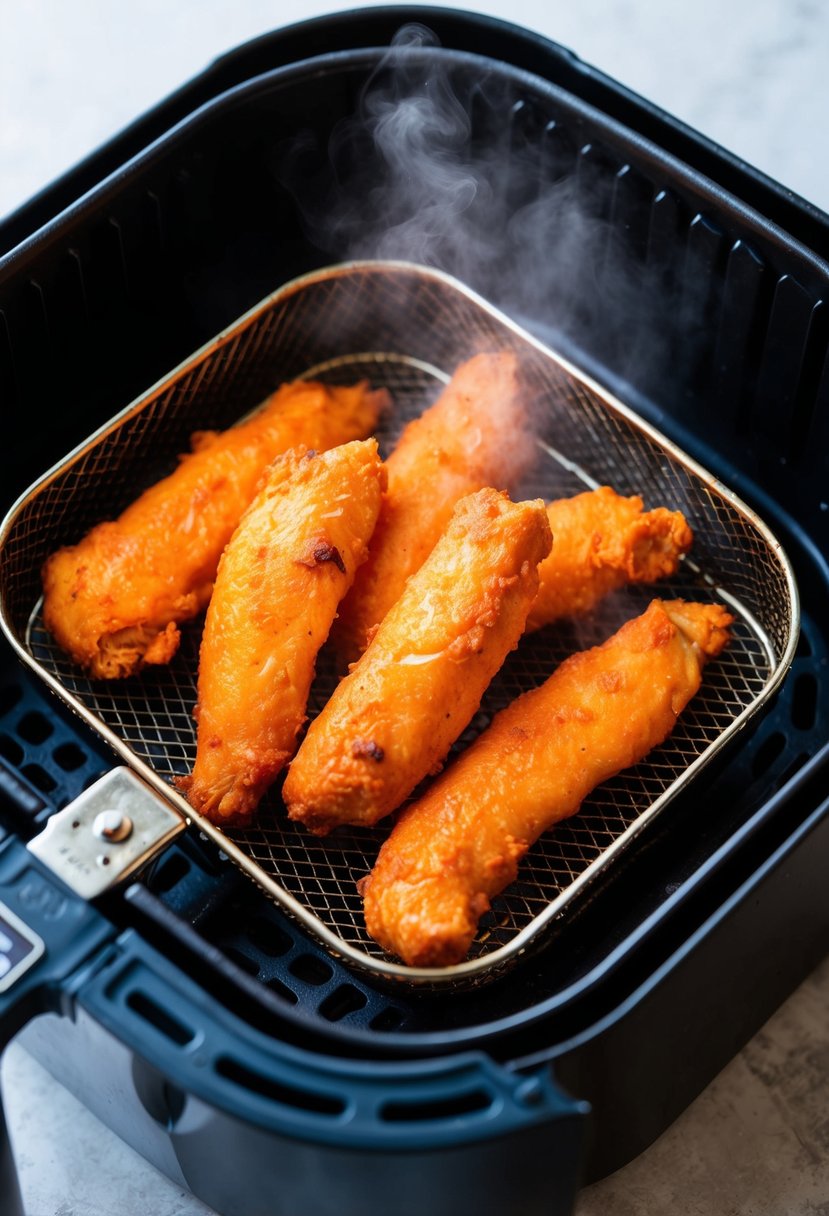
x: 519, y: 164
x: 564, y: 213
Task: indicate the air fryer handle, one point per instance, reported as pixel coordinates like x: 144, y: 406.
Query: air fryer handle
x: 47, y: 937
x: 47, y: 933
x: 48, y: 926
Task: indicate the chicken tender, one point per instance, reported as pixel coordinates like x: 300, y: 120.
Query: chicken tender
x: 393, y: 719
x: 602, y: 542
x: 600, y: 712
x: 280, y: 579
x: 114, y: 601
x: 476, y: 434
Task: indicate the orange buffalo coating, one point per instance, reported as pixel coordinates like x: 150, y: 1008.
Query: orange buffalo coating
x: 393, y: 719
x: 476, y: 434
x: 114, y: 600
x: 602, y: 542
x: 600, y: 712
x: 280, y: 579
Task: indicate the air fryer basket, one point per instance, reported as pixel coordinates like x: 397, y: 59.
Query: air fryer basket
x: 408, y: 328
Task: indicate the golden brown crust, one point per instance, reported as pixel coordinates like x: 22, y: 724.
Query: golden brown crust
x: 602, y: 542
x: 114, y: 600
x: 280, y: 579
x: 476, y: 434
x: 394, y: 718
x: 603, y: 710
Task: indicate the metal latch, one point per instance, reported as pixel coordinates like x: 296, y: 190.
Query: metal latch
x: 107, y: 833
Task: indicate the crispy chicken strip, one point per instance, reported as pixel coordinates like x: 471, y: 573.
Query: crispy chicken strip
x: 600, y: 712
x: 280, y: 579
x: 394, y: 718
x: 602, y: 542
x: 476, y: 434
x: 114, y: 600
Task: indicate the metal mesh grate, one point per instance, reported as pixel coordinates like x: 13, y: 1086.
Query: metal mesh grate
x: 418, y: 326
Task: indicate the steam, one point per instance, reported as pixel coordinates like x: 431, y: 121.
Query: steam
x: 403, y: 178
x: 421, y: 132
x: 442, y: 167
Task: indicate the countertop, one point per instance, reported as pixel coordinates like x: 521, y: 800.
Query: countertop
x: 752, y: 75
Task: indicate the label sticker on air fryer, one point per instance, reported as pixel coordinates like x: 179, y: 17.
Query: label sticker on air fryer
x: 20, y: 947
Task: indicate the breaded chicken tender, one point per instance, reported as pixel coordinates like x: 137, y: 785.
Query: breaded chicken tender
x: 115, y: 599
x: 603, y: 710
x: 280, y: 579
x: 475, y: 434
x: 602, y: 542
x: 393, y: 719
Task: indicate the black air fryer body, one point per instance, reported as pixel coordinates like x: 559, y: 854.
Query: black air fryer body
x: 186, y: 1010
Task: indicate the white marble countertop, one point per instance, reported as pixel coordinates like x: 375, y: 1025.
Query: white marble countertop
x: 751, y: 74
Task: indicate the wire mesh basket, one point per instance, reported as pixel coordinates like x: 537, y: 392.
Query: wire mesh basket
x: 407, y: 328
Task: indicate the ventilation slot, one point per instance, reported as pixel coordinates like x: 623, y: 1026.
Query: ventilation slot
x: 276, y: 1091
x: 630, y: 209
x: 809, y: 382
x: 67, y: 304
x: 33, y: 341
x: 558, y: 153
x: 39, y: 778
x: 782, y: 363
x: 343, y: 1001
x: 268, y: 937
x: 524, y: 136
x: 69, y: 757
x: 667, y: 223
x: 804, y: 701
x: 11, y: 750
x: 453, y: 1107
x: 34, y: 727
x: 746, y: 300
x: 242, y: 960
x: 311, y: 969
x: 387, y: 1019
x: 697, y: 310
x: 282, y: 990
x: 163, y: 1021
x: 816, y: 436
x: 105, y: 278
